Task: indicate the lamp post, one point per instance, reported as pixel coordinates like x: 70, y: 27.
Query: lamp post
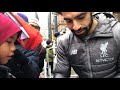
x: 36, y: 16
x: 55, y: 25
x: 49, y: 26
x: 55, y: 29
x: 55, y: 21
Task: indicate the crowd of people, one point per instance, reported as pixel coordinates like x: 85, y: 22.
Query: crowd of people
x: 91, y: 47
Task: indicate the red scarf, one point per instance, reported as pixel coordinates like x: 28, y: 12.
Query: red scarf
x: 35, y: 37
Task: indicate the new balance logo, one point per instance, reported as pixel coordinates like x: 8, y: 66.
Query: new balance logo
x: 73, y: 52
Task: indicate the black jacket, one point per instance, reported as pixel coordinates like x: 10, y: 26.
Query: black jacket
x: 5, y: 72
x: 36, y: 56
x: 98, y: 57
x: 21, y: 66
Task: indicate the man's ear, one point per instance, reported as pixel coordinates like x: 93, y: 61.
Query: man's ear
x: 92, y: 13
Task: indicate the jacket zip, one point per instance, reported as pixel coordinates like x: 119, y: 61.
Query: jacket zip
x: 89, y: 63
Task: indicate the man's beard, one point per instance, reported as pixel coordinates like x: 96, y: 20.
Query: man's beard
x: 84, y: 28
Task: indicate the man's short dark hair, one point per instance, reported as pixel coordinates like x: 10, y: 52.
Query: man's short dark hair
x: 59, y: 13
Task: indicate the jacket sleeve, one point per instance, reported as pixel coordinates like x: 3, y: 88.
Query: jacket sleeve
x: 118, y: 75
x: 36, y: 58
x: 62, y: 67
x: 29, y: 70
x: 116, y: 33
x: 26, y: 66
x: 42, y: 57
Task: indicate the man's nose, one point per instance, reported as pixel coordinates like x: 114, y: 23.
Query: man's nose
x: 76, y: 25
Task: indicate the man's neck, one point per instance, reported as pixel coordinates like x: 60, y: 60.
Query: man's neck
x: 94, y: 25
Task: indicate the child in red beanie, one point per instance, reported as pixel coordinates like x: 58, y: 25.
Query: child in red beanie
x: 9, y: 32
x: 8, y: 35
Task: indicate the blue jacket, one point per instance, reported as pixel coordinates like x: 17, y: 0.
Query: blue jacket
x: 32, y: 68
x: 37, y: 56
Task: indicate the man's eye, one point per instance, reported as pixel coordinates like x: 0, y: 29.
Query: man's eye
x: 81, y: 17
x: 68, y: 21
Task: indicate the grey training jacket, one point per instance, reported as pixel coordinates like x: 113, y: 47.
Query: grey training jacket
x: 98, y: 57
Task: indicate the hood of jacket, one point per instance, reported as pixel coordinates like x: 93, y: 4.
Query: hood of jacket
x: 105, y: 22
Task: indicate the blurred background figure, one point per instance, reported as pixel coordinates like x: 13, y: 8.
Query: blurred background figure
x: 35, y: 23
x: 23, y: 16
x: 49, y: 57
x: 59, y: 34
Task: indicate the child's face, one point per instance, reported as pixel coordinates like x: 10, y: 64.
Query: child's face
x: 7, y: 49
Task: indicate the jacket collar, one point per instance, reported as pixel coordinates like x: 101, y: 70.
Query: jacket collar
x: 104, y: 26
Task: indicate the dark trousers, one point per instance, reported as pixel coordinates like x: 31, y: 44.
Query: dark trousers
x: 51, y: 64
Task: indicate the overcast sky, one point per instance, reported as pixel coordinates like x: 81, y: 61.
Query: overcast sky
x: 43, y: 17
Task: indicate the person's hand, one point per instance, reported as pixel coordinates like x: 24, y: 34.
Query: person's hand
x: 42, y: 75
x: 20, y: 58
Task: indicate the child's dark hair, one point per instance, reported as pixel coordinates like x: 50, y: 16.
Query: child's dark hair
x: 19, y: 34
